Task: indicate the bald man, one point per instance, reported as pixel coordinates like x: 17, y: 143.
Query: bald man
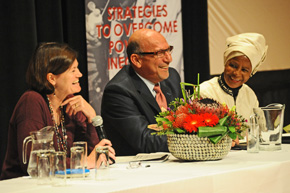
x: 129, y: 104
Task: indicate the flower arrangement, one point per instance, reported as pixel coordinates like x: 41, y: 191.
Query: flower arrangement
x: 204, y: 117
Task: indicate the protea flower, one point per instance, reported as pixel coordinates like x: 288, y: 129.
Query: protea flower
x: 208, y: 105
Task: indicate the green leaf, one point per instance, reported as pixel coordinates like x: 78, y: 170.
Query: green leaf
x: 223, y: 120
x: 240, y: 136
x: 170, y: 132
x: 233, y: 108
x: 178, y: 130
x: 216, y: 139
x: 211, y: 131
x: 161, y: 119
x: 233, y: 135
x: 232, y: 129
x: 164, y: 114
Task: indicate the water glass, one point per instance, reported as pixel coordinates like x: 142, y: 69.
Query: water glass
x: 102, y: 163
x: 253, y: 138
x: 77, y: 163
x: 43, y: 168
x: 270, y: 120
x: 85, y: 146
x: 58, y: 170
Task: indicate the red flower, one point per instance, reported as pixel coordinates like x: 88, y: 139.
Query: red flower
x: 192, y: 122
x: 170, y: 118
x: 225, y: 111
x: 165, y: 126
x: 181, y: 109
x: 179, y: 120
x: 188, y: 106
x: 210, y: 119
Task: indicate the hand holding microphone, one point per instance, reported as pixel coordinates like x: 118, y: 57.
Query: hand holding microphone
x: 97, y: 122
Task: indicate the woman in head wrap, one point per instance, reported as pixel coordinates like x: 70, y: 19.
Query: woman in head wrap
x: 242, y: 57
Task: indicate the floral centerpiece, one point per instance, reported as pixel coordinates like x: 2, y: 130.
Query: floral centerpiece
x: 205, y: 119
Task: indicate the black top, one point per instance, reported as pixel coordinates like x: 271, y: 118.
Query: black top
x: 231, y: 91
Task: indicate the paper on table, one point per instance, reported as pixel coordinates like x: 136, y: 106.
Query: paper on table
x: 285, y: 134
x: 152, y: 157
x: 159, y: 157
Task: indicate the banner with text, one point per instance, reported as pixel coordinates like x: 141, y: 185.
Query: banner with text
x: 109, y: 24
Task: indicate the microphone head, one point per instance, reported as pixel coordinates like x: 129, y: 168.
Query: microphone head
x: 97, y: 121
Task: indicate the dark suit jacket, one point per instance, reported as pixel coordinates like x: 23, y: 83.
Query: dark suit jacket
x: 128, y: 107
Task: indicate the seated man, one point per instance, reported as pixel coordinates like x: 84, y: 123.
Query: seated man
x: 129, y: 105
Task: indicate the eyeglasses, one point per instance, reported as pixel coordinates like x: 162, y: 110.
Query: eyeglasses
x: 159, y: 54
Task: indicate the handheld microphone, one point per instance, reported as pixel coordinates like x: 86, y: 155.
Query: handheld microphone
x: 97, y: 122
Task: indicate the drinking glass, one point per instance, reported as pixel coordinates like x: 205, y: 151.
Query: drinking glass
x: 102, y: 163
x: 77, y: 163
x: 85, y: 146
x: 58, y: 170
x: 270, y: 120
x: 43, y: 168
x: 253, y: 138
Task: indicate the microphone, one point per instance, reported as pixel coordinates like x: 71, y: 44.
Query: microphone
x: 97, y: 122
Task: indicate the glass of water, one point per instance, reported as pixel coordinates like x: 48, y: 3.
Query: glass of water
x: 253, y: 138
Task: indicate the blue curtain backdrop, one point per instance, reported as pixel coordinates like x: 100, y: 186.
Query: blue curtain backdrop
x: 25, y: 23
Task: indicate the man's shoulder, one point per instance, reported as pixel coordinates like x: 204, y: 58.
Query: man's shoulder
x: 173, y: 75
x: 122, y: 77
x: 173, y: 71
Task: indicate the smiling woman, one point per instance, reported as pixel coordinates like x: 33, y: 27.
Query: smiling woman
x: 237, y: 71
x: 243, y: 55
x: 53, y: 79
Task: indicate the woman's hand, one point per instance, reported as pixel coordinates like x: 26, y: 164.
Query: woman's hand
x: 78, y: 103
x: 91, y: 158
x: 235, y: 142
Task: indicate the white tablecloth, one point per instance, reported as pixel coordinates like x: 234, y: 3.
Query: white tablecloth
x: 239, y: 171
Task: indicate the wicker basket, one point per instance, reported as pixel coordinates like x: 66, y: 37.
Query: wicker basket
x: 191, y: 147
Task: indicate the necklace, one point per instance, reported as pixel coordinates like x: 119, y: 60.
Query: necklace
x: 61, y: 139
x: 231, y: 91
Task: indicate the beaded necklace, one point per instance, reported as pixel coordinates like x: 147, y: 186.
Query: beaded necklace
x: 61, y: 140
x: 231, y: 91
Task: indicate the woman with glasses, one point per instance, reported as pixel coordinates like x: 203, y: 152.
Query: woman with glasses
x: 129, y: 102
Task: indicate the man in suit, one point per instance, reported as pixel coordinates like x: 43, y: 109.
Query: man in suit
x: 129, y: 105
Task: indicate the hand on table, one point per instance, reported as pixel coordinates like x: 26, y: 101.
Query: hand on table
x: 92, y: 156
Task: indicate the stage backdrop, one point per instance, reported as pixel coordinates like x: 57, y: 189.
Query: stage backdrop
x: 270, y: 18
x: 109, y: 24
